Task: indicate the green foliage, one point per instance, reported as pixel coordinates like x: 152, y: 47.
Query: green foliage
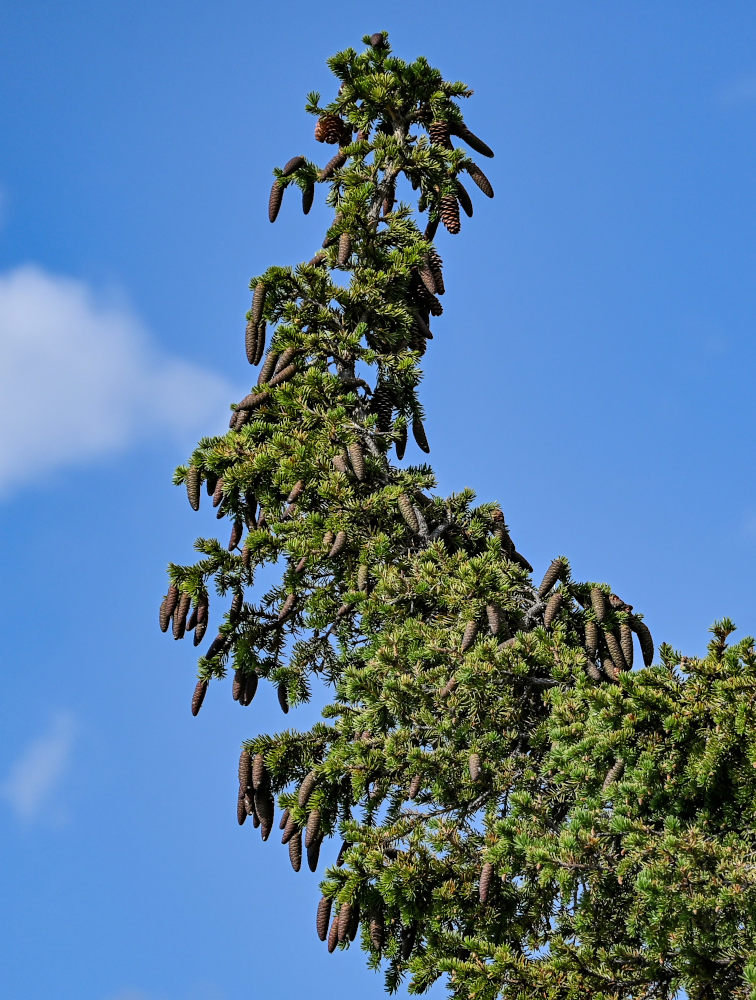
x: 521, y: 813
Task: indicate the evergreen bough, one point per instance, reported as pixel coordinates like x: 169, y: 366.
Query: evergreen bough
x: 519, y: 811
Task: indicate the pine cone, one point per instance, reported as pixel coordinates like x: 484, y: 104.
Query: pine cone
x: 249, y: 807
x: 250, y: 688
x: 378, y: 41
x: 236, y: 534
x: 486, y: 874
x: 626, y: 643
x: 168, y: 606
x: 480, y: 179
x: 401, y: 442
x: 556, y: 571
x: 339, y: 462
x: 613, y: 774
x: 414, y: 787
x: 590, y: 667
x: 553, y: 606
x: 287, y: 608
x: 464, y: 199
x: 259, y: 774
x: 333, y: 935
x: 308, y: 196
x: 237, y: 686
x: 342, y: 852
x: 615, y: 650
x: 362, y: 577
x: 335, y: 163
x: 323, y: 916
x: 609, y: 667
x: 318, y: 259
x: 617, y: 604
x: 469, y: 636
x: 215, y: 646
x: 258, y: 302
x: 198, y: 697
x: 345, y: 916
x: 472, y: 140
x: 418, y: 433
x: 283, y: 697
x: 192, y: 621
x: 421, y: 324
x: 290, y: 828
x: 313, y: 854
x: 291, y: 165
x: 255, y: 817
x: 449, y: 211
x: 408, y: 513
x: 427, y: 277
x: 408, y: 940
x: 591, y: 637
x: 211, y: 481
x: 283, y: 376
x: 264, y: 807
x: 436, y: 264
x: 284, y: 819
x: 345, y: 249
x: 357, y: 459
x: 274, y: 202
x: 259, y: 351
x: 245, y: 765
x: 447, y: 689
x: 430, y: 229
x: 193, y: 480
x: 199, y: 632
x: 313, y: 826
x: 179, y: 615
x: 377, y: 931
x: 644, y: 639
x: 330, y: 129
x: 338, y: 545
x: 286, y: 357
x: 439, y: 134
x: 295, y: 851
x: 494, y: 618
x: 598, y: 600
x: 241, y: 810
x: 354, y: 923
x: 475, y: 766
x: 218, y: 493
x: 268, y: 367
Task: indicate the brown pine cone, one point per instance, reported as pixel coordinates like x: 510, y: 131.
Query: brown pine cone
x: 215, y: 646
x: 598, y: 600
x: 211, y: 481
x: 465, y: 200
x: 283, y: 376
x: 274, y: 202
x: 342, y: 852
x: 192, y: 620
x: 427, y: 277
x: 296, y: 491
x: 408, y: 513
x: 591, y: 637
x: 168, y: 607
x: 382, y: 404
x: 449, y: 211
x: 556, y: 571
x: 330, y: 129
x: 590, y: 667
x: 493, y: 615
x: 286, y: 357
x: 430, y: 229
x: 436, y: 264
x: 259, y: 773
x: 255, y: 817
x: 241, y: 810
x: 308, y: 196
x: 291, y: 165
x: 377, y: 931
x: 218, y: 493
x: 447, y: 689
x: 472, y: 140
x: 335, y: 163
x: 250, y: 687
x: 318, y: 259
x: 333, y: 935
x: 283, y: 697
x: 378, y: 41
x: 295, y: 851
x: 339, y: 462
x: 268, y: 367
x: 408, y: 940
x: 626, y: 643
x: 362, y: 577
x: 193, y: 480
x: 345, y: 916
x: 475, y: 766
x: 613, y: 774
x: 615, y: 651
x: 618, y: 604
x: 284, y: 819
x: 322, y: 917
x: 357, y: 459
x: 480, y: 179
x: 198, y: 697
x: 313, y: 854
x: 401, y: 442
x: 264, y: 807
x: 354, y: 923
x: 486, y: 874
x: 439, y: 134
x: 418, y: 433
x: 313, y: 826
x: 345, y: 249
x: 287, y: 608
x: 609, y: 667
x: 179, y: 615
x: 258, y: 302
x: 339, y: 544
x: 236, y: 533
x: 421, y: 325
x: 290, y: 828
x: 245, y: 766
x: 414, y: 787
x: 469, y: 636
x: 199, y: 632
x: 553, y: 606
x: 644, y: 639
x: 259, y: 351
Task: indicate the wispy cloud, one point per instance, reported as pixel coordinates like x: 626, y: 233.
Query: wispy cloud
x: 741, y: 90
x: 37, y: 773
x: 80, y: 377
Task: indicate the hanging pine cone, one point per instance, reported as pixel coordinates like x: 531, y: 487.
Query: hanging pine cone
x: 283, y: 376
x: 295, y: 851
x: 418, y: 433
x: 475, y: 766
x: 290, y: 828
x: 215, y: 646
x: 199, y: 632
x: 259, y: 774
x: 430, y: 229
x: 268, y: 367
x: 259, y: 351
x: 401, y: 441
x: 308, y: 196
x: 264, y: 807
x: 274, y: 202
x: 296, y: 491
x: 283, y: 697
x: 414, y: 787
x: 644, y: 639
x: 615, y: 650
x: 598, y: 601
x: 193, y: 480
x: 305, y: 789
x: 590, y: 667
x: 591, y: 637
x: 609, y: 667
x: 421, y: 324
x: 471, y: 139
x: 241, y: 810
x: 613, y: 774
x: 345, y: 249
x: 354, y: 922
x: 556, y: 571
x: 192, y: 620
x: 464, y: 199
x: 313, y: 854
x: 335, y: 163
x: 377, y: 931
x: 626, y: 643
x: 258, y: 302
x: 480, y: 179
x: 408, y: 513
x: 179, y: 615
x: 333, y: 934
x: 553, y: 606
x: 435, y: 265
x: 427, y: 277
x: 218, y: 493
x: 362, y: 577
x: 342, y: 853
x: 250, y: 687
x: 493, y: 615
x: 236, y: 534
x: 339, y: 544
x: 486, y: 874
x: 439, y: 134
x: 408, y: 940
x: 211, y: 481
x: 198, y: 697
x: 168, y: 607
x: 322, y: 917
x: 382, y: 405
x: 357, y: 459
x: 469, y: 636
x: 339, y: 462
x: 282, y: 823
x: 447, y: 689
x: 449, y: 211
x: 617, y: 604
x: 291, y: 165
x: 345, y: 916
x: 287, y: 608
x: 329, y: 128
x: 313, y: 826
x: 284, y: 360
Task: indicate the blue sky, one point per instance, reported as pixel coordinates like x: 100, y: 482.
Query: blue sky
x: 593, y: 370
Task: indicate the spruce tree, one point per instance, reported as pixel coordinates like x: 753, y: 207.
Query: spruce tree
x: 522, y: 808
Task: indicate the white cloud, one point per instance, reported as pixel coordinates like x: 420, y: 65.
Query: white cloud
x: 80, y: 378
x: 34, y: 778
